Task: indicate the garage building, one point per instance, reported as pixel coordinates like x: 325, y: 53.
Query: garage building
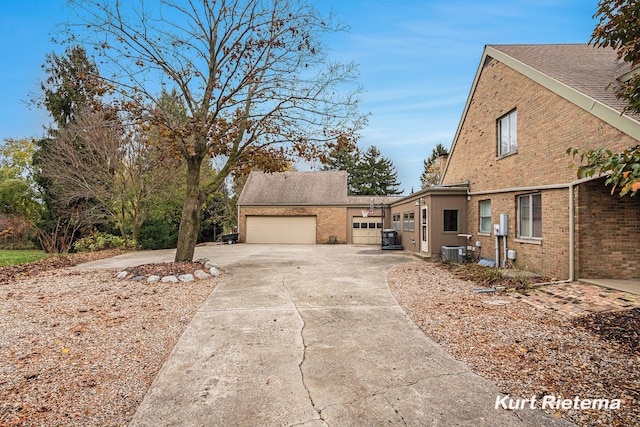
x: 308, y: 208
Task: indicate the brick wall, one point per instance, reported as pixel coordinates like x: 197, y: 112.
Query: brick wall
x: 605, y: 250
x: 329, y: 220
x: 547, y: 126
x: 548, y: 256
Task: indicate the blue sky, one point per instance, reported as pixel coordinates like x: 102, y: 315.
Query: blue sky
x: 417, y: 60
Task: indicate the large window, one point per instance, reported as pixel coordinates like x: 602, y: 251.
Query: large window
x: 485, y: 216
x: 408, y: 221
x: 508, y: 133
x: 530, y: 216
x: 396, y: 222
x: 450, y: 220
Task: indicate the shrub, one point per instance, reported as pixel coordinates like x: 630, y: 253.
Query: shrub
x: 158, y: 233
x: 101, y: 241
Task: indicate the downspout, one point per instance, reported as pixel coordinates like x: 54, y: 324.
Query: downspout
x: 572, y: 232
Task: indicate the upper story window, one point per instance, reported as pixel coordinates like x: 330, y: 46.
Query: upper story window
x: 485, y: 216
x: 508, y: 133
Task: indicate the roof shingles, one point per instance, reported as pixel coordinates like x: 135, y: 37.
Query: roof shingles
x: 585, y: 68
x: 295, y: 188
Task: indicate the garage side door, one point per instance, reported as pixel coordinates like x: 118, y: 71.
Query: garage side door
x: 366, y: 231
x: 296, y: 230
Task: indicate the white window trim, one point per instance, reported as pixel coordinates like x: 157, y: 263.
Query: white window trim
x: 397, y: 221
x: 480, y: 230
x: 530, y: 238
x: 408, y: 219
x: 511, y: 119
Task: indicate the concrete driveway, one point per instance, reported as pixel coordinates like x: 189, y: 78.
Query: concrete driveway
x: 311, y: 335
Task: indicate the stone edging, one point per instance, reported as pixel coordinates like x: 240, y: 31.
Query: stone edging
x: 185, y: 278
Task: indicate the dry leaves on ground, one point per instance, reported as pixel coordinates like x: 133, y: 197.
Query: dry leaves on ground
x: 82, y: 348
x: 15, y: 272
x: 526, y: 351
x: 165, y: 269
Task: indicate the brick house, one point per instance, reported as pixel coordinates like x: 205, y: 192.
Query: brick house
x: 528, y: 104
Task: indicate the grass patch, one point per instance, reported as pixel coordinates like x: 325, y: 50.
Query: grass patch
x: 15, y: 257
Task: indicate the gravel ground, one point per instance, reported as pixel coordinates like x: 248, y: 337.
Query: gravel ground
x: 525, y: 350
x: 80, y: 349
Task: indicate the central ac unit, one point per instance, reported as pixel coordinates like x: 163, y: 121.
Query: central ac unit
x: 453, y: 253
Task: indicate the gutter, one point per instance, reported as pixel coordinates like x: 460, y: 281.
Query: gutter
x: 572, y: 229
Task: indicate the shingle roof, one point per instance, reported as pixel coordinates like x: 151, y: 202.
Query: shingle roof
x: 295, y: 188
x: 582, y: 67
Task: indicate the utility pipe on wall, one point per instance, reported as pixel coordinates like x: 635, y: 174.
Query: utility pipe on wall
x: 572, y: 229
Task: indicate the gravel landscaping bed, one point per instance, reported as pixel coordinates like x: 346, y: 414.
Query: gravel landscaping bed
x: 82, y: 348
x: 527, y: 351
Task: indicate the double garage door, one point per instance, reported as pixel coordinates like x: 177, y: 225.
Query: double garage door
x: 296, y: 230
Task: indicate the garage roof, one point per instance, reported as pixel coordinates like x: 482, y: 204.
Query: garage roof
x: 295, y: 188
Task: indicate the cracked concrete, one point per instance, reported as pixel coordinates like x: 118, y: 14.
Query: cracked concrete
x: 304, y: 354
x: 311, y: 336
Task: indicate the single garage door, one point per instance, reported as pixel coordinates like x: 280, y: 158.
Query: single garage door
x: 296, y: 230
x: 366, y: 231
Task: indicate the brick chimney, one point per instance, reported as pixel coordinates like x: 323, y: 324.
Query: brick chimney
x: 442, y: 162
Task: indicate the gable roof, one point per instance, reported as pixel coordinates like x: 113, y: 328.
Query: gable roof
x: 294, y: 188
x: 580, y: 73
x: 586, y: 69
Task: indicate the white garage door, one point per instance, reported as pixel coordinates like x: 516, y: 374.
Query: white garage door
x: 297, y: 230
x: 366, y: 231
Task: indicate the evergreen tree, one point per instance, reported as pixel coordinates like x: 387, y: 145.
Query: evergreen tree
x: 375, y: 175
x: 344, y: 155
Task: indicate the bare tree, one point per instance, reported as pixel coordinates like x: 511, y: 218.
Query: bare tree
x: 253, y: 76
x: 98, y: 161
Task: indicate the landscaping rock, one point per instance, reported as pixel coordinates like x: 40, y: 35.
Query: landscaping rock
x: 214, y: 272
x: 169, y: 279
x: 139, y: 278
x: 201, y: 275
x: 153, y: 279
x: 122, y: 275
x: 185, y: 278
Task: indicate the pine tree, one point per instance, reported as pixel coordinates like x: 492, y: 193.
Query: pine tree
x: 375, y: 175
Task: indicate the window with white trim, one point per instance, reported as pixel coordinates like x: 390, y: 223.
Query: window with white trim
x: 485, y: 216
x: 508, y: 133
x: 408, y: 221
x: 396, y: 222
x: 530, y: 216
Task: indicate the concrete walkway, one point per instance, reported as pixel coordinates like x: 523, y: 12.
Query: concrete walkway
x: 311, y: 335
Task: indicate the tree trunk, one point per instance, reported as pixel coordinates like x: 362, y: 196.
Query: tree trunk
x: 190, y: 221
